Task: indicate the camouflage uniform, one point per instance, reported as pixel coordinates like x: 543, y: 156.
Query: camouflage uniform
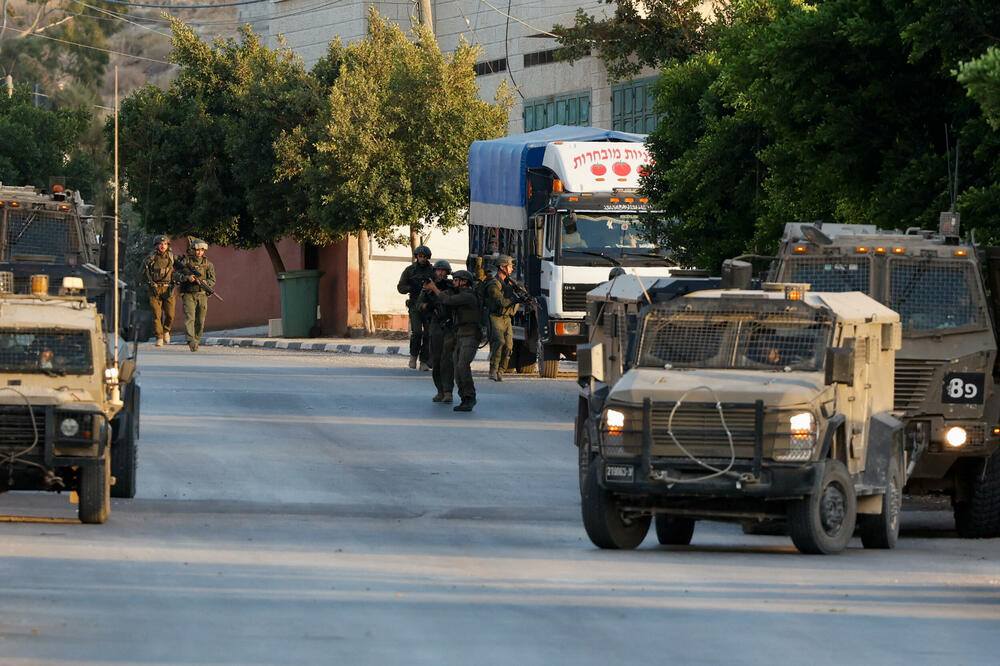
x: 501, y: 306
x: 157, y: 272
x: 193, y: 297
x: 441, y: 332
x: 465, y: 310
x: 410, y: 282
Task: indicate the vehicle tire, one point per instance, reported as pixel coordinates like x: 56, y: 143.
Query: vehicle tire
x: 882, y: 530
x: 585, y: 453
x: 823, y: 523
x: 674, y: 530
x: 125, y: 456
x: 602, y: 519
x: 979, y: 518
x: 547, y: 365
x: 95, y: 492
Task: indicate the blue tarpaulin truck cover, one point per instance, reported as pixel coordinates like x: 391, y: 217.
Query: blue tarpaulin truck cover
x: 497, y: 170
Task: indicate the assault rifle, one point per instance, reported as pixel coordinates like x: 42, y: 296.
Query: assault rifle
x: 442, y: 316
x: 184, y: 269
x: 521, y: 294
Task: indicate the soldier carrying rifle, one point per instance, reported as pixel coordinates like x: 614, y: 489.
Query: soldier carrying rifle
x: 196, y: 276
x: 441, y: 331
x: 410, y: 282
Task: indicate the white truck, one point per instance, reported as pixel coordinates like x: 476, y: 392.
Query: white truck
x: 564, y: 202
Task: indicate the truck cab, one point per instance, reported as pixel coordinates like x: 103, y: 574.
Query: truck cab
x: 946, y: 370
x: 745, y: 406
x: 565, y: 203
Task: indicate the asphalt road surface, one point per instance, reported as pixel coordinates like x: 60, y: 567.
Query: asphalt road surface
x: 305, y: 508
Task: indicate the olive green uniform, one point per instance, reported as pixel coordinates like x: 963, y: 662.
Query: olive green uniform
x: 193, y: 297
x: 465, y: 311
x: 441, y: 333
x: 410, y: 282
x: 157, y: 272
x: 502, y: 306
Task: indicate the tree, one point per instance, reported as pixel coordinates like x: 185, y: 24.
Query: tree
x: 198, y: 158
x: 389, y: 148
x: 981, y: 78
x: 37, y: 143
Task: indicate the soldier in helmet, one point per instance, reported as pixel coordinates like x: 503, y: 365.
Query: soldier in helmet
x: 194, y: 272
x: 410, y: 282
x: 441, y: 332
x: 501, y: 305
x: 157, y: 272
x: 465, y: 310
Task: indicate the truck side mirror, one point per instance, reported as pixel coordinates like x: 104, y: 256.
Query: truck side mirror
x: 590, y: 362
x: 539, y: 222
x: 126, y: 370
x: 839, y: 364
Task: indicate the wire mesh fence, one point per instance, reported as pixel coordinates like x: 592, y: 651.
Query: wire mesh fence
x: 836, y: 274
x: 45, y: 351
x: 40, y: 235
x: 931, y: 294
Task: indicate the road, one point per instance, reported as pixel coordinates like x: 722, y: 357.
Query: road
x: 305, y: 508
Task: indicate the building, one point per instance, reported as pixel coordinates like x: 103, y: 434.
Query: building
x: 516, y: 46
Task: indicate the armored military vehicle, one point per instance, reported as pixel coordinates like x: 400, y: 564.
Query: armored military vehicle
x: 56, y: 234
x: 59, y: 394
x: 740, y: 405
x: 946, y: 371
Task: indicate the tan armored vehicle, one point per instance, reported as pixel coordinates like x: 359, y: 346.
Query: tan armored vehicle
x: 946, y: 371
x: 746, y: 406
x: 58, y: 395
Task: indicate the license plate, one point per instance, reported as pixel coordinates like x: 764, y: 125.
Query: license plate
x: 619, y: 473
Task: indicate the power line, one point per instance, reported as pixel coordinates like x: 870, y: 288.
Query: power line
x: 509, y: 17
x: 224, y: 4
x: 86, y: 46
x: 115, y: 16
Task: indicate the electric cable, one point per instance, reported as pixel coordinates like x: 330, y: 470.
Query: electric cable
x: 506, y: 50
x: 28, y: 33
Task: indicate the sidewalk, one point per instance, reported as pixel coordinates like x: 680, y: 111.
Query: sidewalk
x: 257, y: 337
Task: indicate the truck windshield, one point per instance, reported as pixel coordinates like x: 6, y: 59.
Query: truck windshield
x: 603, y: 231
x: 829, y: 273
x: 747, y: 340
x: 933, y: 294
x: 45, y: 352
x: 38, y: 235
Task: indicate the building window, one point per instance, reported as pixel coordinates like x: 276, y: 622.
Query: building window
x: 540, y: 58
x: 490, y: 66
x: 632, y: 106
x: 566, y: 109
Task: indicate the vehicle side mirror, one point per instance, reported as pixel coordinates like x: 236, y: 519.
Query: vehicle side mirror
x: 590, y: 362
x: 126, y: 370
x: 839, y: 364
x: 539, y: 235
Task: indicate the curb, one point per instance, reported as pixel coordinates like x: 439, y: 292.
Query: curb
x: 329, y: 348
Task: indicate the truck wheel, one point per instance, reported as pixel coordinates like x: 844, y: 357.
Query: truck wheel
x: 823, y: 523
x: 674, y: 530
x: 95, y: 492
x: 604, y: 522
x: 585, y: 455
x: 125, y: 456
x: 979, y: 518
x: 547, y: 365
x: 882, y: 530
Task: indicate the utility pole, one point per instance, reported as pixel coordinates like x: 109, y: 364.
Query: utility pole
x: 10, y: 86
x: 426, y: 18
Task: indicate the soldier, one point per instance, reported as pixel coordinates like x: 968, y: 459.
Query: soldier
x: 464, y: 306
x: 441, y: 331
x: 157, y: 272
x: 194, y: 272
x: 501, y: 305
x: 410, y: 282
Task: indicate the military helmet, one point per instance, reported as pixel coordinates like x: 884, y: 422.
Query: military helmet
x: 160, y: 238
x: 442, y: 263
x: 422, y: 250
x: 615, y: 272
x: 199, y: 244
x: 462, y: 275
x: 505, y: 260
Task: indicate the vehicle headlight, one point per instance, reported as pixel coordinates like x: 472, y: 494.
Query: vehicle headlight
x: 567, y: 328
x: 956, y: 436
x: 615, y: 421
x: 802, y: 439
x: 69, y: 427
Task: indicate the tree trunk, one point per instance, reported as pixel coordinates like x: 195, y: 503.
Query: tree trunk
x: 424, y: 13
x: 364, y: 293
x: 276, y: 263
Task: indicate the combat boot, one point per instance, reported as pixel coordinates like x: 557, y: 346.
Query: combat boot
x: 424, y: 366
x: 166, y: 337
x: 466, y: 406
x: 439, y: 397
x: 413, y: 362
x: 159, y: 342
x: 447, y: 398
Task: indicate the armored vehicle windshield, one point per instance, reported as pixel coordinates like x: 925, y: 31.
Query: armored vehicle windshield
x: 45, y: 352
x: 760, y: 335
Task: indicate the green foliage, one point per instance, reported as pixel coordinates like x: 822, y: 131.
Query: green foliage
x: 640, y: 33
x: 35, y: 142
x: 390, y: 146
x: 981, y: 77
x: 834, y: 111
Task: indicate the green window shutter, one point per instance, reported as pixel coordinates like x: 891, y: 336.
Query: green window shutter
x: 632, y: 106
x: 566, y: 109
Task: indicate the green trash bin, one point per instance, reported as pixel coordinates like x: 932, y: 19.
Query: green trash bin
x: 299, y: 298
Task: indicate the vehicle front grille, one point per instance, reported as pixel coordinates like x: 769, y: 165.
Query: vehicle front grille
x: 574, y: 297
x: 699, y: 430
x: 16, y: 431
x: 913, y: 378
